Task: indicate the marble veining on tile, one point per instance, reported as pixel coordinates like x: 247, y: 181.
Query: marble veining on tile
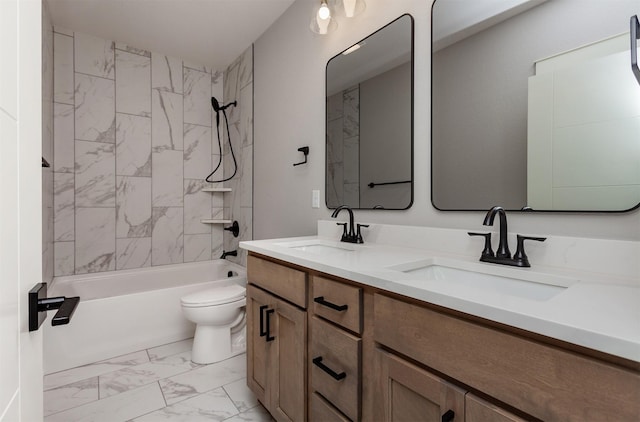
x: 197, y: 97
x: 133, y: 253
x: 94, y: 56
x: 197, y: 151
x: 63, y: 138
x: 133, y: 145
x: 121, y: 407
x: 95, y: 244
x: 133, y: 50
x: 197, y: 247
x: 133, y: 377
x: 167, y: 238
x: 95, y: 174
x: 69, y: 376
x: 197, y: 205
x: 242, y: 397
x: 95, y: 118
x: 167, y: 127
x: 133, y: 83
x: 166, y: 73
x: 133, y: 207
x: 64, y: 206
x: 212, y: 406
x: 70, y: 395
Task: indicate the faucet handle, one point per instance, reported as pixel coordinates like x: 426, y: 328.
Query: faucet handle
x: 359, y: 235
x: 344, y: 230
x: 520, y: 257
x: 487, y: 251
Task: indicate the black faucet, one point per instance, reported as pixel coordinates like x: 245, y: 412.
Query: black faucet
x: 350, y: 234
x: 230, y: 253
x: 503, y: 246
x: 503, y: 255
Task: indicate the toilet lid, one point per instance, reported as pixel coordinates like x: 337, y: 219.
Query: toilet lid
x: 215, y: 296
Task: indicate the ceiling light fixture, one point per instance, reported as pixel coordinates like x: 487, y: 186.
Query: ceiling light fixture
x: 323, y: 22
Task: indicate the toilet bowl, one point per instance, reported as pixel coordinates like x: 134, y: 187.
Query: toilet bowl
x: 219, y: 315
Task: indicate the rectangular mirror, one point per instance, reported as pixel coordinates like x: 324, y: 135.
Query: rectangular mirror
x: 369, y: 121
x: 534, y: 106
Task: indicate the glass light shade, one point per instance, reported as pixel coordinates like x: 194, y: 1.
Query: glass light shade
x: 322, y: 22
x: 353, y: 7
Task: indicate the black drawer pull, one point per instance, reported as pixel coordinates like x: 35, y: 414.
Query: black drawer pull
x: 448, y: 416
x: 321, y: 301
x: 263, y: 332
x: 318, y: 362
x: 268, y: 333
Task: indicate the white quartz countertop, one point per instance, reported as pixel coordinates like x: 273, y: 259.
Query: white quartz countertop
x: 594, y: 310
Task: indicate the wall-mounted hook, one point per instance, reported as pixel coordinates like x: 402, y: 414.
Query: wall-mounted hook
x: 305, y: 151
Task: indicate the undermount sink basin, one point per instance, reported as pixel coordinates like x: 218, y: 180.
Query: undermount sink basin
x: 317, y: 246
x: 469, y: 280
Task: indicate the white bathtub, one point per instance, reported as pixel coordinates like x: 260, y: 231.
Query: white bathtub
x: 125, y: 311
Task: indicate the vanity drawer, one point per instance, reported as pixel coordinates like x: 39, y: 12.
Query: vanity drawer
x: 338, y: 352
x: 322, y: 411
x: 338, y: 302
x: 288, y: 283
x: 544, y: 381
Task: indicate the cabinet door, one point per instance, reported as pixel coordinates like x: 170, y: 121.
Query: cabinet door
x: 409, y: 393
x: 288, y: 374
x: 257, y: 346
x: 478, y: 410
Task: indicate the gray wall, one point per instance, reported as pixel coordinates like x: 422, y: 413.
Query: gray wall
x: 483, y: 79
x: 385, y: 145
x: 289, y: 105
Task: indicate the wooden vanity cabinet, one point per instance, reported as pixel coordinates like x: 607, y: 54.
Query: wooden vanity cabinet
x: 533, y: 378
x: 407, y: 360
x: 277, y: 341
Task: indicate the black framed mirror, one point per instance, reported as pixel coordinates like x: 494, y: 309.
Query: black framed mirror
x: 369, y: 121
x: 534, y: 106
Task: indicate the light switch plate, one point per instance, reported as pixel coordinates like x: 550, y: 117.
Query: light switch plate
x: 315, y: 199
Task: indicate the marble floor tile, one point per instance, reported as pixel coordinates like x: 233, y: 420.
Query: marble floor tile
x: 203, y: 379
x: 69, y: 376
x: 170, y: 349
x: 256, y: 414
x: 242, y: 397
x: 212, y: 406
x: 131, y: 378
x: 121, y: 407
x: 70, y: 395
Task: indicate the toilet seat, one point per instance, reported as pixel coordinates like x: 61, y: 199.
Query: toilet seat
x: 215, y: 296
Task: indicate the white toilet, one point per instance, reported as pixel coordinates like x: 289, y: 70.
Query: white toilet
x: 219, y: 315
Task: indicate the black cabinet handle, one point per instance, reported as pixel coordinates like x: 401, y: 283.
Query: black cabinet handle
x: 448, y: 416
x: 268, y: 332
x: 321, y: 301
x: 635, y: 36
x: 263, y: 332
x: 318, y: 362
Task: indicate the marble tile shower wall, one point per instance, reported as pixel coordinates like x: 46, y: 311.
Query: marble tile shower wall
x: 132, y: 146
x: 343, y: 148
x: 238, y: 85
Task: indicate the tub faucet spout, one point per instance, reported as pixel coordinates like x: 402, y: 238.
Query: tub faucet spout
x: 229, y: 253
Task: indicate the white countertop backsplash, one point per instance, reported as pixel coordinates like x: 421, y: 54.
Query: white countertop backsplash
x: 601, y: 311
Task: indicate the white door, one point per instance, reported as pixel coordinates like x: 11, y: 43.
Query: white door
x: 20, y: 207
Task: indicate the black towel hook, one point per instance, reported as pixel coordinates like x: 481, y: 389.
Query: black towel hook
x: 305, y: 151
